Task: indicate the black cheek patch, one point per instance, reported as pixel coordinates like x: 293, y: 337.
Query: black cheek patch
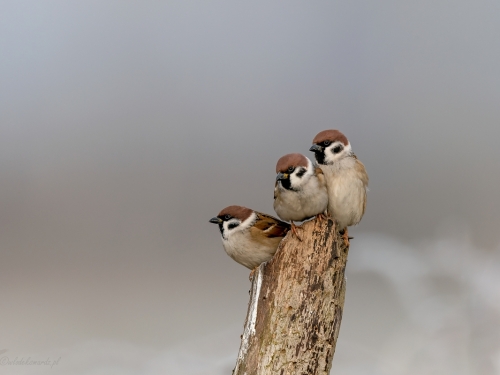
x: 232, y: 225
x: 337, y: 149
x: 301, y: 172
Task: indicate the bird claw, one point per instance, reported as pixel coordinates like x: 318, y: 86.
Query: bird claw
x: 321, y: 217
x: 294, y: 231
x: 345, y: 237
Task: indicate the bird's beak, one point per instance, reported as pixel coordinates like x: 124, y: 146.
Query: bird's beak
x: 282, y: 176
x: 215, y: 220
x: 316, y: 148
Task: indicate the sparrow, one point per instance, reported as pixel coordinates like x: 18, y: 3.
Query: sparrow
x: 300, y: 190
x: 248, y: 236
x: 346, y: 178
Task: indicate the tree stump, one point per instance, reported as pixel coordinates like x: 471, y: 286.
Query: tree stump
x: 296, y: 304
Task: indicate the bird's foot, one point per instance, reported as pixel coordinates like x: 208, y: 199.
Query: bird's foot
x: 321, y: 217
x: 294, y: 231
x: 345, y: 236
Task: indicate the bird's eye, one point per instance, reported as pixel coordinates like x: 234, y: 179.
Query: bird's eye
x: 337, y: 149
x: 290, y: 169
x: 327, y: 143
x: 232, y: 225
x: 227, y: 217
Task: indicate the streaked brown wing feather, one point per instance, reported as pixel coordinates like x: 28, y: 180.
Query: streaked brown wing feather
x: 270, y: 226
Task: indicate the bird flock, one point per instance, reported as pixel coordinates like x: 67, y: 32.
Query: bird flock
x: 334, y: 186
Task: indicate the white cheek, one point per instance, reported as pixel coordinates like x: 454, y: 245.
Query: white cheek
x: 347, y: 150
x: 331, y: 157
x: 296, y: 181
x: 227, y: 223
x: 241, y: 225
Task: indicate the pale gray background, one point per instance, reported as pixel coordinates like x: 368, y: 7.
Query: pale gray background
x: 125, y: 126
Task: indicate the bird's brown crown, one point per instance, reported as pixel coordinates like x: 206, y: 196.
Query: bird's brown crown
x: 238, y: 212
x: 291, y: 160
x: 331, y: 135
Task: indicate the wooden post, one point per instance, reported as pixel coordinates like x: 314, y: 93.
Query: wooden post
x: 296, y: 303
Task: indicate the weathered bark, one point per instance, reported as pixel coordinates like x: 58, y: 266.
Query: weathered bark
x: 296, y: 304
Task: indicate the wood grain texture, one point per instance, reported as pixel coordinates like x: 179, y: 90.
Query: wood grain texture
x: 296, y: 303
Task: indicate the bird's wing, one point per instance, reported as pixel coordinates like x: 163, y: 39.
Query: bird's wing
x: 270, y: 226
x: 363, y: 176
x: 360, y: 169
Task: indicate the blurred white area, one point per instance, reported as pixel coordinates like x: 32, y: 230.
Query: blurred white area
x: 431, y: 308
